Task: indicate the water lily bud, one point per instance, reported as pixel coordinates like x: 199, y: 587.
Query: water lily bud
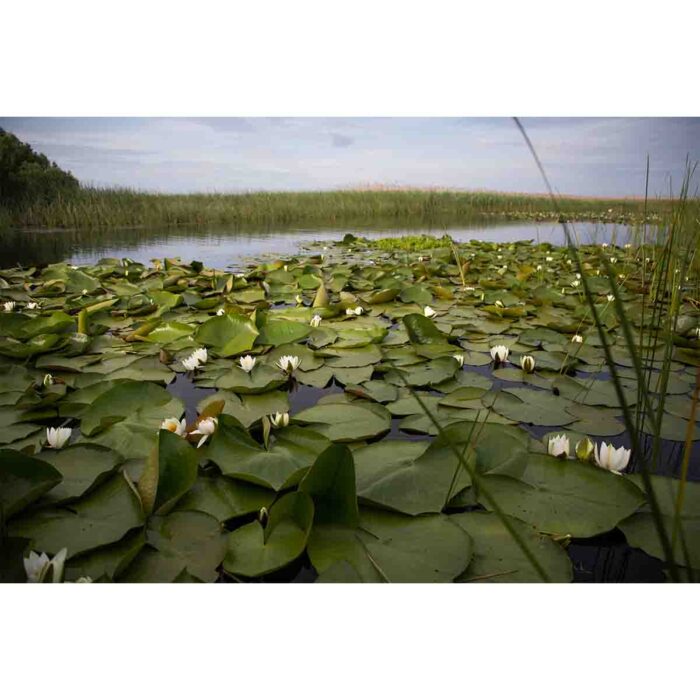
x: 527, y: 363
x: 577, y: 339
x: 220, y: 312
x: 558, y: 446
x: 611, y: 297
x: 57, y: 437
x: 288, y: 363
x: 280, y: 420
x: 48, y: 380
x: 499, y: 304
x: 584, y: 449
x: 460, y: 359
x: 263, y: 516
x: 429, y: 312
x: 499, y: 354
x: 315, y: 322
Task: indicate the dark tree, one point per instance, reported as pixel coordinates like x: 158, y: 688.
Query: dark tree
x: 27, y: 176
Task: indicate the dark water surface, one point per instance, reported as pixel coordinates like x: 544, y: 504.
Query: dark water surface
x: 222, y: 247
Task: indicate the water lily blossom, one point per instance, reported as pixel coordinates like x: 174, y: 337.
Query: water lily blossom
x: 527, y: 363
x: 499, y: 353
x: 57, y: 437
x: 558, y: 446
x: 206, y: 428
x: 190, y: 363
x: 247, y: 363
x: 220, y: 312
x: 577, y: 339
x: 37, y: 566
x: 460, y: 359
x: 174, y: 426
x: 200, y: 355
x: 429, y: 312
x: 315, y: 321
x: 288, y: 363
x: 611, y: 297
x: 357, y: 311
x: 9, y: 306
x: 32, y: 306
x: 610, y: 458
x: 280, y: 420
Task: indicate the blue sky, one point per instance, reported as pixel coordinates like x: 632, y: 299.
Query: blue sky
x: 582, y: 156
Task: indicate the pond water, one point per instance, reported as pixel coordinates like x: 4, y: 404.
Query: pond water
x: 603, y: 558
x: 222, y: 247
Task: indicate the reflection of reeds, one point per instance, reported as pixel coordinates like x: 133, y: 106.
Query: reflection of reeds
x: 100, y: 208
x: 675, y: 249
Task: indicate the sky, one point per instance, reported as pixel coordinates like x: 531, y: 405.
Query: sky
x: 582, y: 156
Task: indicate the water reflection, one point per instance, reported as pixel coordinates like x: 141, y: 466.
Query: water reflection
x: 224, y: 246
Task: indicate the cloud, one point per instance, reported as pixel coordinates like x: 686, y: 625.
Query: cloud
x: 341, y: 141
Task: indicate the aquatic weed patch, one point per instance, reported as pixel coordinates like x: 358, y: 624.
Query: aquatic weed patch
x: 489, y: 349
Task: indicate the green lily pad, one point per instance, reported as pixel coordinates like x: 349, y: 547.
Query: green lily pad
x: 230, y: 334
x: 23, y: 479
x: 188, y: 541
x: 102, y: 517
x: 254, y: 550
x: 565, y: 497
x: 346, y: 423
x: 499, y: 559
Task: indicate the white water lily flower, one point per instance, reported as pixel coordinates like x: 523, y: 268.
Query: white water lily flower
x: 9, y: 306
x: 288, y: 363
x: 499, y: 304
x: 190, y: 363
x: 83, y: 579
x: 174, y: 426
x: 539, y: 268
x: 575, y: 283
x: 469, y: 289
x: 84, y: 292
x: 200, y: 355
x: 499, y: 353
x: 527, y: 363
x: 32, y: 305
x: 247, y: 363
x: 549, y: 258
x: 613, y: 260
x: 628, y: 246
x: 315, y: 321
x: 558, y: 446
x: 578, y: 275
x: 611, y: 297
x: 696, y: 333
x: 577, y: 339
x: 36, y: 566
x: 280, y: 420
x: 57, y: 437
x: 205, y: 428
x: 614, y: 460
x: 604, y: 245
x: 48, y: 380
x: 429, y: 312
x: 220, y: 312
x: 460, y: 359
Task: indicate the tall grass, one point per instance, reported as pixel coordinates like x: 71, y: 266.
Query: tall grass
x: 103, y: 208
x: 676, y: 249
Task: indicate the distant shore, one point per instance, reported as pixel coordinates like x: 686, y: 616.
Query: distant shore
x: 93, y: 208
